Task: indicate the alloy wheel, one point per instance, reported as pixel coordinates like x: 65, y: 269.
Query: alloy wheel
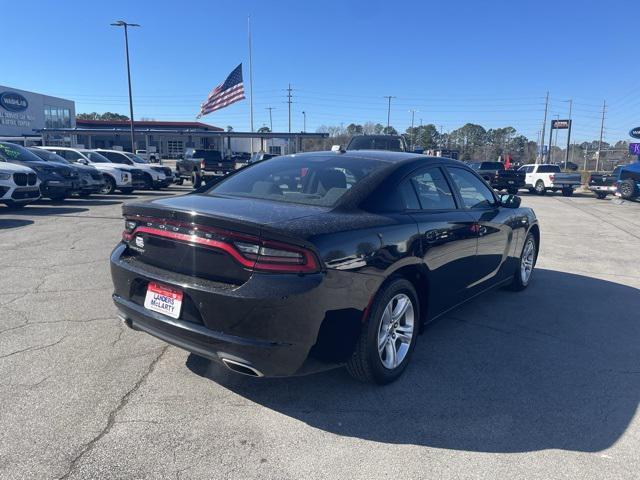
x: 396, y: 331
x: 528, y: 258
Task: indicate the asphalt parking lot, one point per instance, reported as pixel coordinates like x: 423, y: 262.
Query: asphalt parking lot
x: 541, y: 384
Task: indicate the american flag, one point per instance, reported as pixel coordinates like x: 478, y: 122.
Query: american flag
x: 231, y: 91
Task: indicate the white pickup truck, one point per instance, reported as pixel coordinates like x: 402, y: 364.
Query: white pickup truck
x: 150, y: 156
x: 541, y: 178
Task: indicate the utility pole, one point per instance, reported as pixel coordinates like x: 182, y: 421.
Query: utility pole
x: 122, y: 23
x: 566, y: 154
x: 604, y: 107
x: 270, y: 122
x: 413, y: 142
x: 289, y: 90
x: 389, y: 97
x: 544, y: 126
x: 304, y: 128
x: 270, y: 118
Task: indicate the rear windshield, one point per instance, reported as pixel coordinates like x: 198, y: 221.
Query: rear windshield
x: 548, y: 169
x: 10, y: 152
x: 95, y: 157
x: 135, y: 158
x: 366, y: 142
x: 311, y: 180
x: 48, y: 156
x: 492, y: 166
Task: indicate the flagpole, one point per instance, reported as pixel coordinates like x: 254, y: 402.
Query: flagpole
x: 250, y: 82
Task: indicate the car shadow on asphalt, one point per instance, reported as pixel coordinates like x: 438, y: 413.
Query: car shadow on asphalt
x: 555, y: 366
x: 40, y: 209
x: 6, y: 223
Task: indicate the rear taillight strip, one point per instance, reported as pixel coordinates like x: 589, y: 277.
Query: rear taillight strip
x: 308, y: 265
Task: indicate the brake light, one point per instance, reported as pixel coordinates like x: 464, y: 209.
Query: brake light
x: 248, y: 250
x: 202, y: 164
x: 552, y: 177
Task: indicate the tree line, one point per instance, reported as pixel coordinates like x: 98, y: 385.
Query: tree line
x: 474, y: 142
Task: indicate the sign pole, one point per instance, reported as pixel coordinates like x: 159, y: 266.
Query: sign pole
x: 566, y: 154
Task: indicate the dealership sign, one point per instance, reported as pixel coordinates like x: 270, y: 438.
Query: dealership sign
x: 635, y: 132
x: 634, y: 148
x: 560, y: 124
x: 14, y: 102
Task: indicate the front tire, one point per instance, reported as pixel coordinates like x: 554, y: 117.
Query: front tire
x: 522, y: 276
x: 540, y: 189
x: 387, y: 340
x: 109, y: 186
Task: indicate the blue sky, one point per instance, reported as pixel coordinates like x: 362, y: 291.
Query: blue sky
x: 454, y: 62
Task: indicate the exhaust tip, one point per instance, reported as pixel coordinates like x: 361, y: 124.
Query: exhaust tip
x: 241, y: 368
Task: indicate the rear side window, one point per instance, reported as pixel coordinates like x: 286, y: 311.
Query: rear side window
x: 548, y: 169
x: 473, y: 191
x: 115, y: 157
x: 433, y: 190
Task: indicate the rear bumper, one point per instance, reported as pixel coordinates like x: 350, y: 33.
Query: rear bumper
x: 602, y: 188
x: 270, y: 323
x: 506, y: 183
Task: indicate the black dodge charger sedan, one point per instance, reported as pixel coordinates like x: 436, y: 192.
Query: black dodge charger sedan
x: 316, y: 259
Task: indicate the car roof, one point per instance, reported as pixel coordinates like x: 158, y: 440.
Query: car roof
x: 388, y: 156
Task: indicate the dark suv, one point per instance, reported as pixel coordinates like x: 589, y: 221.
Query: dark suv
x: 57, y: 181
x: 392, y: 143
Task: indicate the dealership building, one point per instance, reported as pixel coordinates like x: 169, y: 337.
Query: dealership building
x: 23, y: 115
x: 31, y: 118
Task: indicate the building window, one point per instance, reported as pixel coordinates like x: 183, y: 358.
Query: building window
x: 55, y: 117
x: 275, y: 149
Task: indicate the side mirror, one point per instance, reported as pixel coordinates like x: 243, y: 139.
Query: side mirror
x: 83, y: 161
x: 510, y: 201
x: 337, y: 148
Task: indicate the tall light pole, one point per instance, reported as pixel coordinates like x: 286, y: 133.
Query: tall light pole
x: 304, y: 128
x: 271, y: 122
x: 122, y: 23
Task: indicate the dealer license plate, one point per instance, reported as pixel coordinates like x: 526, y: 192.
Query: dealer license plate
x: 163, y: 299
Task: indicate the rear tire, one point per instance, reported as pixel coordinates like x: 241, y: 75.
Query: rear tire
x: 196, y: 179
x: 532, y: 190
x: 601, y: 195
x: 386, y: 342
x: 540, y: 189
x: 522, y: 276
x: 628, y: 189
x: 126, y: 191
x: 567, y: 192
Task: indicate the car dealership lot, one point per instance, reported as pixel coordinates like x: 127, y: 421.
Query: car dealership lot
x: 540, y: 384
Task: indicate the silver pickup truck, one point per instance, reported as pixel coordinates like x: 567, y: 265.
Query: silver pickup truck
x: 544, y: 177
